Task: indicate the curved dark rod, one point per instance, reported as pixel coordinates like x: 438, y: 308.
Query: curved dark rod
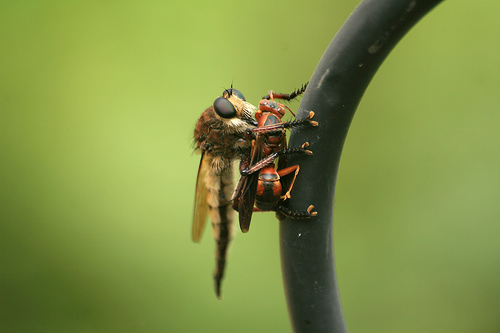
x: 335, y: 90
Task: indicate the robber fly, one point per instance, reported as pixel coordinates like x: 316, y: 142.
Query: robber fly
x: 261, y: 183
x: 220, y: 135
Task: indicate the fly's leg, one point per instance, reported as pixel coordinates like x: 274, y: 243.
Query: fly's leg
x: 287, y: 124
x: 306, y: 121
x: 287, y: 97
x: 272, y: 157
x: 296, y: 215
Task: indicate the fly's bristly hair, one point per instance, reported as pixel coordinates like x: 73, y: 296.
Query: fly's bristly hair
x: 299, y: 91
x: 293, y: 95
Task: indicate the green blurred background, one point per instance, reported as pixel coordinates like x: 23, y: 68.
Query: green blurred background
x: 98, y: 101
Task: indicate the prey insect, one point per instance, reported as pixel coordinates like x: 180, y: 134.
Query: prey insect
x: 220, y: 135
x: 261, y: 184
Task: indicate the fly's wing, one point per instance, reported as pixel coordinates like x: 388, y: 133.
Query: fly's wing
x: 238, y: 191
x: 200, y: 201
x: 246, y: 199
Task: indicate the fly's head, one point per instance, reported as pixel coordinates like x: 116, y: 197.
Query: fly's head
x: 234, y: 111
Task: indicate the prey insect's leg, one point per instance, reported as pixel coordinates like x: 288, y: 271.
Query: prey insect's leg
x: 287, y: 171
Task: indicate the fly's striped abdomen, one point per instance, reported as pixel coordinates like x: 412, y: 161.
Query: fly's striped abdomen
x: 220, y: 187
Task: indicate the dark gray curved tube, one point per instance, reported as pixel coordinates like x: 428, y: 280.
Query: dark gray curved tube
x: 334, y: 92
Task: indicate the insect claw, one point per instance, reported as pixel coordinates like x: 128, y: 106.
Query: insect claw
x: 312, y: 122
x: 286, y: 196
x: 305, y: 145
x: 308, y: 152
x: 309, y: 210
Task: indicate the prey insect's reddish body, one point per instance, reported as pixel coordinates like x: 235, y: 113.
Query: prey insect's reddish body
x: 262, y: 187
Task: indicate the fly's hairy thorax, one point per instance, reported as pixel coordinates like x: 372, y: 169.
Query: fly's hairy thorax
x: 223, y: 140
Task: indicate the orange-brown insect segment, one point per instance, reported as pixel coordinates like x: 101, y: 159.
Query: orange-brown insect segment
x: 271, y: 141
x: 271, y: 106
x: 268, y: 189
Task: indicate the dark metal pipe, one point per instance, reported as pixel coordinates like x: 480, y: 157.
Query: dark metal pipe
x: 334, y: 92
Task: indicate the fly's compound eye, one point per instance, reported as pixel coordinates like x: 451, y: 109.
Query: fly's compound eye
x: 224, y: 108
x: 235, y: 92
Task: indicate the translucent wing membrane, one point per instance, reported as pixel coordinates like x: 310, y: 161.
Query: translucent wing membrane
x: 200, y: 202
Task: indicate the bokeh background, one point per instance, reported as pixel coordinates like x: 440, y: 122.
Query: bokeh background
x: 98, y: 101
